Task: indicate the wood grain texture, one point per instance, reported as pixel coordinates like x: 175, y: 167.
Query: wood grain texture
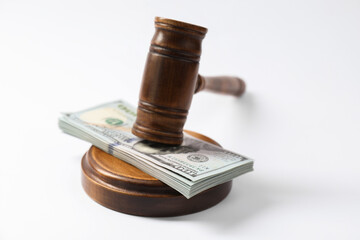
x: 170, y: 80
x: 122, y: 187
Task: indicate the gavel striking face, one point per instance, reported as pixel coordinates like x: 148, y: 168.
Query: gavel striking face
x: 171, y: 78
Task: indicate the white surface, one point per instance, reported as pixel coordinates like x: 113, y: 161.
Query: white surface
x: 300, y: 119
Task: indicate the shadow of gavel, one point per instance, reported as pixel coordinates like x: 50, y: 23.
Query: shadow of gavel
x: 170, y: 80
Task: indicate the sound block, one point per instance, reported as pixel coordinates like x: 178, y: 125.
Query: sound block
x: 122, y: 187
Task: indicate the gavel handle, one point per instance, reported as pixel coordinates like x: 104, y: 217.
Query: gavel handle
x: 221, y: 84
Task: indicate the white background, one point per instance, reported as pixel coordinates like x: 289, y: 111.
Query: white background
x: 300, y: 117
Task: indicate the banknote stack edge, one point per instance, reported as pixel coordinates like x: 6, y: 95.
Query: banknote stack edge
x: 190, y: 168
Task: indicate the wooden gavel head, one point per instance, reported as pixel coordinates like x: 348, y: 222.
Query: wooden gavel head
x: 171, y: 78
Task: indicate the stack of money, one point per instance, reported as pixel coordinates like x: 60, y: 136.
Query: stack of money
x: 190, y: 168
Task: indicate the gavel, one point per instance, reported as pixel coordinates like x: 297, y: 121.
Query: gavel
x: 171, y: 78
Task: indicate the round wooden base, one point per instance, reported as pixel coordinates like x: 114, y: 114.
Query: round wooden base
x: 122, y: 187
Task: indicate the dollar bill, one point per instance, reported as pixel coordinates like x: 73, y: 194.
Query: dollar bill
x: 190, y: 168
